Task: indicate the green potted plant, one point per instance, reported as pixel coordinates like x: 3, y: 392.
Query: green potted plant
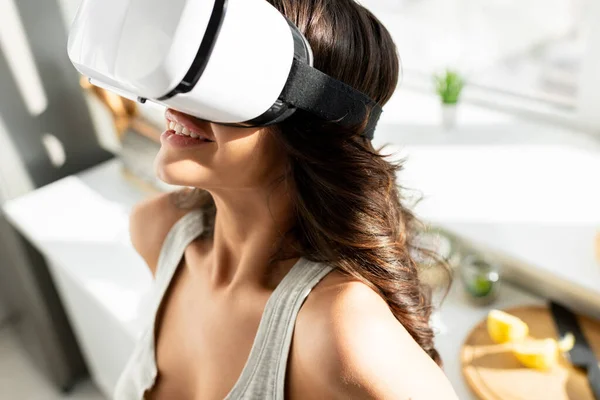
x: 449, y: 86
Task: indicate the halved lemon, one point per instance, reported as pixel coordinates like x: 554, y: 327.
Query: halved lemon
x: 504, y: 328
x: 538, y: 354
x: 542, y: 354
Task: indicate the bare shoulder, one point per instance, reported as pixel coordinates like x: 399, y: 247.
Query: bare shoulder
x: 361, y: 350
x: 150, y: 222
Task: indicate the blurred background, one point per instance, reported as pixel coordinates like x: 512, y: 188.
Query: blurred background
x: 497, y: 116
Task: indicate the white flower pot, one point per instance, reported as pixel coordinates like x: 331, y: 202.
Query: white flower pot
x: 449, y: 116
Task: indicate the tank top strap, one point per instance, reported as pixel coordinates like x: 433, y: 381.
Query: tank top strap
x: 186, y: 230
x: 264, y: 375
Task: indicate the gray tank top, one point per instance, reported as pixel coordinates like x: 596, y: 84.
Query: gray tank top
x: 263, y: 376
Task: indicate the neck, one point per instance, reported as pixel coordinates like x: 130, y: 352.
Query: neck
x: 249, y: 228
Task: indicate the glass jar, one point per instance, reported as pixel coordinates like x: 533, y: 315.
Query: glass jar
x: 481, y: 278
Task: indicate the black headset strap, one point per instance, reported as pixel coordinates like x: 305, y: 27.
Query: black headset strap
x: 311, y: 90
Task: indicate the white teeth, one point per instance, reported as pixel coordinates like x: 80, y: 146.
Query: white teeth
x: 182, y: 130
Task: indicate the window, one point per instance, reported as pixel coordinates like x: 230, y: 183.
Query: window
x: 541, y: 54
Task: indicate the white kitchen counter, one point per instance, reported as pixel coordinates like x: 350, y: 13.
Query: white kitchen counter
x: 524, y: 190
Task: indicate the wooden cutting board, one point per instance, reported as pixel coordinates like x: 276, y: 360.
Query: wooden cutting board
x: 493, y: 372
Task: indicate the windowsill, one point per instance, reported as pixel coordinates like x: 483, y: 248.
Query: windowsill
x: 511, y: 104
x: 414, y: 107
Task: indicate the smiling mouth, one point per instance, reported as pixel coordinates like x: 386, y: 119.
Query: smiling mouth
x: 182, y: 130
x: 184, y: 125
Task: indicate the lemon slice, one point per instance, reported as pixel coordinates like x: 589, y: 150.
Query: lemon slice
x: 504, y: 328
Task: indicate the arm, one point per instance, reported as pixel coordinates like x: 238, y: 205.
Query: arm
x: 149, y: 223
x: 349, y: 345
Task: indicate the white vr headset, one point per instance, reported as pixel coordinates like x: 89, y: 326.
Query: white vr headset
x: 234, y: 62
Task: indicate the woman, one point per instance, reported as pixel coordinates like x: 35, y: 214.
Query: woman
x: 289, y: 271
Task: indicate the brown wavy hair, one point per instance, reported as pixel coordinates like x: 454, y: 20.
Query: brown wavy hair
x: 349, y: 211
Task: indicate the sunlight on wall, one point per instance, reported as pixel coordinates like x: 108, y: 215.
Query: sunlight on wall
x: 13, y: 42
x: 55, y: 149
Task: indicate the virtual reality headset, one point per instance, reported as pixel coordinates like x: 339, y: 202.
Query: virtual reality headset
x: 233, y: 62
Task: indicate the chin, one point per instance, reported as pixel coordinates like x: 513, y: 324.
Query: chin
x: 183, y: 173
